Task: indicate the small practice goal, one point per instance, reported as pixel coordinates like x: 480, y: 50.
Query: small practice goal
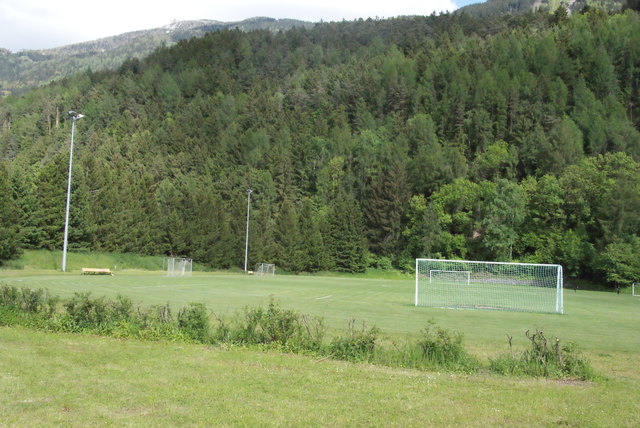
x: 178, y: 266
x: 635, y: 289
x: 265, y: 269
x: 462, y: 284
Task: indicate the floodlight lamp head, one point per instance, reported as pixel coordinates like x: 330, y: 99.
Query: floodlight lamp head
x: 75, y: 116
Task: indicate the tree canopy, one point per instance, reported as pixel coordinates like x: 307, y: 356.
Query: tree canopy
x: 367, y: 143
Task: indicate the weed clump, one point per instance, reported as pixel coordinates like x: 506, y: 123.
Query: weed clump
x: 441, y: 348
x: 274, y: 326
x: 544, y: 358
x: 193, y: 321
x: 359, y: 344
x: 27, y: 300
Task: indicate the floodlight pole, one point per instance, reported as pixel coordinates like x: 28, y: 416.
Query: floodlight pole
x: 246, y: 240
x: 73, y: 116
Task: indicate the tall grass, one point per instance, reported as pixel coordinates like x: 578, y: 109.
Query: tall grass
x: 276, y: 328
x: 544, y: 358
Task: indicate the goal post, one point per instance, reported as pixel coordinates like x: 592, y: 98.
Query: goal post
x: 265, y: 269
x: 179, y: 266
x: 463, y: 284
x: 635, y: 289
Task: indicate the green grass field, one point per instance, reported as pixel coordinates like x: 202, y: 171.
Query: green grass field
x: 60, y: 379
x: 594, y: 320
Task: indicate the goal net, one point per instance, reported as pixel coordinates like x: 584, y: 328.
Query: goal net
x: 462, y: 284
x: 635, y: 289
x: 179, y: 266
x: 263, y: 269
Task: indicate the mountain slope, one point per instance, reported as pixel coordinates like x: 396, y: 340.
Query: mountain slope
x: 26, y: 69
x: 501, y: 7
x: 366, y: 143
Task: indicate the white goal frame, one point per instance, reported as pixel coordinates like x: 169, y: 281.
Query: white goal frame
x: 265, y: 269
x: 465, y: 284
x: 635, y: 289
x: 179, y: 266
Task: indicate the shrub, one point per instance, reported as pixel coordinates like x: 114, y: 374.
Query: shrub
x: 379, y: 262
x: 9, y: 297
x: 543, y: 359
x: 27, y: 300
x: 85, y: 312
x: 357, y: 345
x: 274, y: 326
x: 193, y: 320
x: 32, y: 306
x: 441, y: 348
x: 157, y: 322
x: 121, y: 309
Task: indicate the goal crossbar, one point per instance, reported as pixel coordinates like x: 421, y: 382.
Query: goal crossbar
x: 465, y: 284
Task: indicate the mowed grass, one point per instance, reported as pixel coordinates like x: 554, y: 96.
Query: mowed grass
x: 597, y: 321
x: 75, y: 380
x: 61, y: 379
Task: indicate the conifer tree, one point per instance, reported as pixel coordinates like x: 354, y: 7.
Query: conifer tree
x: 288, y: 238
x: 314, y: 252
x: 386, y: 208
x: 345, y: 235
x: 9, y: 234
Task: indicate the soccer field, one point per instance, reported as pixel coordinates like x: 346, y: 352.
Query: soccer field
x: 51, y: 379
x: 596, y: 321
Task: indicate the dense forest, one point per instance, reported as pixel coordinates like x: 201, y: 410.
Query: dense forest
x: 499, y: 7
x: 366, y: 143
x: 23, y: 70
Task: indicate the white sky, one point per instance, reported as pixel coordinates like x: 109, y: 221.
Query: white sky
x: 41, y: 24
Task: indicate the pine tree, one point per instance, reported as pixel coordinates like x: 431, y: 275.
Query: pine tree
x: 345, y: 235
x: 51, y: 193
x: 288, y: 238
x: 386, y: 209
x: 9, y: 235
x: 26, y: 203
x: 314, y: 252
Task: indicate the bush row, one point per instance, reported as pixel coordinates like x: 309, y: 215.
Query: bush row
x: 287, y: 330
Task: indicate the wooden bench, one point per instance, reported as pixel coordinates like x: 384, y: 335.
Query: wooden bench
x: 94, y: 271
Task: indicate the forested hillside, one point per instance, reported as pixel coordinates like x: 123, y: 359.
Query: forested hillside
x: 499, y: 7
x: 366, y: 143
x: 23, y: 70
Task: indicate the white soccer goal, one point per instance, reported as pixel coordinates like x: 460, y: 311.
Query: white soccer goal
x: 263, y: 269
x: 635, y: 289
x: 463, y: 284
x: 179, y: 266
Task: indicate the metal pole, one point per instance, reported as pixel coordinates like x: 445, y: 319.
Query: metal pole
x: 246, y: 241
x: 73, y: 116
x: 66, y: 217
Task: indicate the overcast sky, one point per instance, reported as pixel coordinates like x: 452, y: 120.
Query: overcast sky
x: 41, y: 24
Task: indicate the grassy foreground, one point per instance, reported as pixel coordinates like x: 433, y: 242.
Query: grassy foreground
x: 75, y: 380
x: 61, y: 379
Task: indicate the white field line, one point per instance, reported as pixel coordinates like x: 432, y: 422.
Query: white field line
x: 324, y: 297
